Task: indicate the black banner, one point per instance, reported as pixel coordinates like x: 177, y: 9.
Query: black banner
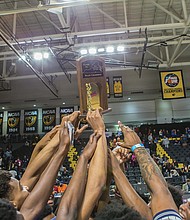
x: 1, y: 123
x: 117, y: 86
x: 48, y: 119
x: 30, y: 121
x: 13, y: 122
x: 64, y: 111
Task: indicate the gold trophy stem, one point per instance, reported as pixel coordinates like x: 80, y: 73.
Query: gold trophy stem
x: 89, y: 97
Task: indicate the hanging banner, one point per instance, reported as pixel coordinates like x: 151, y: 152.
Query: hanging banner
x: 30, y: 121
x: 172, y: 84
x: 13, y: 122
x: 1, y: 123
x: 108, y: 87
x: 117, y: 86
x: 48, y: 119
x: 64, y: 111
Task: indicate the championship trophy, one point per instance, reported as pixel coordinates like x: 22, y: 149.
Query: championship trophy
x: 92, y: 84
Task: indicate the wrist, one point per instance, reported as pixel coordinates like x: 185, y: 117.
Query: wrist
x: 136, y: 146
x: 84, y: 158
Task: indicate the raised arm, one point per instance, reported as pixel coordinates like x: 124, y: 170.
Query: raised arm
x: 128, y: 194
x: 43, y: 142
x: 36, y: 168
x: 161, y: 199
x: 45, y: 149
x: 37, y: 199
x: 72, y: 198
x: 98, y: 167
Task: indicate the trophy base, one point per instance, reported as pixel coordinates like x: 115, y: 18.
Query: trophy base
x: 103, y: 112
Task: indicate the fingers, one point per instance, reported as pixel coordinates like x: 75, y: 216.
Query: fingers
x: 94, y: 137
x: 91, y: 138
x: 121, y: 144
x: 83, y: 128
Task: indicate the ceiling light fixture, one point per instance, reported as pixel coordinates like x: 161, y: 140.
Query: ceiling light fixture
x: 92, y: 50
x: 120, y: 48
x: 100, y: 50
x: 110, y: 49
x: 83, y: 51
x: 38, y: 56
x: 45, y: 55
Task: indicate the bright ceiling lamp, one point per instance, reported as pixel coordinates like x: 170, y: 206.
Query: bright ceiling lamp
x: 45, y: 55
x: 38, y: 56
x: 110, y: 49
x: 92, y: 50
x: 101, y: 50
x: 83, y: 51
x: 120, y: 48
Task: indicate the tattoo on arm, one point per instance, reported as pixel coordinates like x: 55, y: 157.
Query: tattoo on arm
x: 149, y: 169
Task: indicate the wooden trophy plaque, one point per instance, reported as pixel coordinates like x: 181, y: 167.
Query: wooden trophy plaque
x: 92, y: 84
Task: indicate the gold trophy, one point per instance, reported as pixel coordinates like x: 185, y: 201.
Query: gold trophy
x: 92, y: 84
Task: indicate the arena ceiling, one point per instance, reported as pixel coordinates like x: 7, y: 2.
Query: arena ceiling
x: 154, y: 35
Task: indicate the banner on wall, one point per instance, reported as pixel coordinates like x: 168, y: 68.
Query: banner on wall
x: 172, y: 84
x: 117, y: 86
x: 48, y: 119
x: 30, y: 121
x: 1, y: 123
x: 64, y: 111
x: 13, y: 122
x: 108, y: 87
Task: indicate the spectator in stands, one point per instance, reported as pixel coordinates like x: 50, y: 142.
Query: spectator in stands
x: 174, y: 173
x: 184, y: 140
x: 173, y: 133
x: 182, y: 173
x: 175, y: 164
x: 18, y: 166
x: 186, y: 186
x: 8, y: 158
x: 165, y: 142
x: 150, y: 138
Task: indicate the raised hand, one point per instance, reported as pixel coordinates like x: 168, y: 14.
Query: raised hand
x: 73, y: 118
x: 184, y: 210
x: 122, y: 154
x: 130, y: 137
x: 95, y: 120
x: 64, y: 139
x: 47, y: 137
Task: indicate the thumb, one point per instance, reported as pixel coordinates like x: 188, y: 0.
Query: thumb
x: 83, y: 128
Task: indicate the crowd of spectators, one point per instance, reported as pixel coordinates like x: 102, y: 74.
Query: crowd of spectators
x: 149, y: 139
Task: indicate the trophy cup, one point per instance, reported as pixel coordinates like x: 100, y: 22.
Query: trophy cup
x: 92, y: 84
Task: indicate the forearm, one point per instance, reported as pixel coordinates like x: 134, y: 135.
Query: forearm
x: 96, y: 178
x: 161, y: 198
x: 35, y: 152
x: 37, y: 166
x: 41, y: 192
x: 150, y: 170
x: 72, y: 198
x: 129, y: 195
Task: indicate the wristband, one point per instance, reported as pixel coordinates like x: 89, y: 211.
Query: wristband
x: 136, y: 146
